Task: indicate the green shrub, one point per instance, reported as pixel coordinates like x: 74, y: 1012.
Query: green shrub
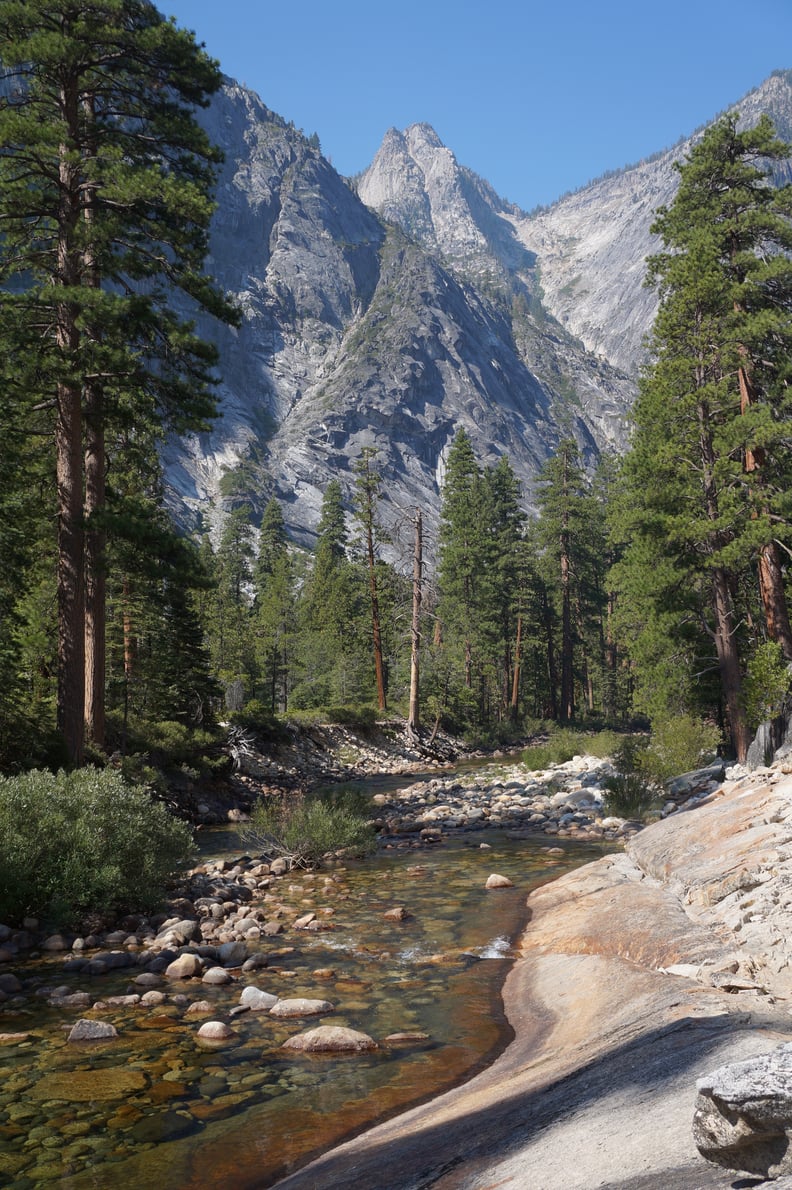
x: 72, y: 843
x: 305, y: 830
x: 678, y: 744
x: 629, y: 795
x: 766, y: 683
x: 561, y: 746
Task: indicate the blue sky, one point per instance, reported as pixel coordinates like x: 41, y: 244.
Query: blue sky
x: 538, y: 97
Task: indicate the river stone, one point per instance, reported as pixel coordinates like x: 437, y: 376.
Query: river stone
x: 163, y: 1126
x: 216, y: 976
x: 198, y: 1008
x: 184, y: 967
x: 232, y: 954
x: 147, y: 979
x: 86, y: 1030
x: 86, y: 1086
x: 55, y: 942
x: 178, y: 931
x: 152, y: 998
x: 257, y: 1000
x: 399, y: 913
x: 743, y: 1114
x: 496, y: 881
x: 9, y: 983
x: 215, y: 1032
x: 301, y: 1007
x: 330, y: 1039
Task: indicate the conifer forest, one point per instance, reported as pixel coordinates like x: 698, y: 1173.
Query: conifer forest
x: 618, y: 592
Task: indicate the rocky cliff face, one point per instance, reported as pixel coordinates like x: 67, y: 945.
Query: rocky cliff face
x: 393, y: 313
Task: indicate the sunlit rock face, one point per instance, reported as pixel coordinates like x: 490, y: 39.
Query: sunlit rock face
x: 395, y: 310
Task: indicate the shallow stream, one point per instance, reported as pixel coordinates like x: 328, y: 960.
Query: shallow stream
x: 152, y: 1108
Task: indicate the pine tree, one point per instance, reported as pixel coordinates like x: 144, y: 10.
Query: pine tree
x: 232, y: 626
x: 707, y: 478
x: 505, y: 521
x: 367, y: 487
x: 274, y: 610
x: 462, y: 554
x: 104, y: 206
x: 563, y: 530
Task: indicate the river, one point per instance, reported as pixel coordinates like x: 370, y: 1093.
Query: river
x: 153, y: 1108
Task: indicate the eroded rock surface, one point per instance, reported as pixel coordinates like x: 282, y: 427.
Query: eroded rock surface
x: 638, y: 974
x: 743, y: 1116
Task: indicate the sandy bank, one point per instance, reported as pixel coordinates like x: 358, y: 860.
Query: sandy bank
x: 637, y: 974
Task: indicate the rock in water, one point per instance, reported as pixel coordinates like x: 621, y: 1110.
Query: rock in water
x: 301, y: 1007
x: 496, y: 881
x: 87, y: 1030
x: 330, y: 1039
x: 743, y: 1115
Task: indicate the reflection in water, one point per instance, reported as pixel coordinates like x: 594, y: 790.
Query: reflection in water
x: 152, y: 1108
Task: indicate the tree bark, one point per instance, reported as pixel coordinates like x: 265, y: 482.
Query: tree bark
x: 771, y: 587
x: 771, y: 573
x: 95, y: 486
x: 515, y: 693
x: 71, y: 591
x: 414, y: 715
x: 69, y: 463
x: 95, y: 569
x: 729, y: 663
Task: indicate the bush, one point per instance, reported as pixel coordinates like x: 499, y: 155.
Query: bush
x: 72, y: 843
x: 562, y: 745
x: 679, y: 743
x: 766, y: 683
x: 629, y: 795
x: 305, y: 830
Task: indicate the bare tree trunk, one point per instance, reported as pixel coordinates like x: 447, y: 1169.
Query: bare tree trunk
x: 71, y: 592
x: 95, y: 570
x: 95, y: 493
x: 414, y: 716
x: 68, y: 466
x: 771, y: 574
x: 729, y: 663
x: 515, y: 694
x: 567, y: 666
x: 771, y: 587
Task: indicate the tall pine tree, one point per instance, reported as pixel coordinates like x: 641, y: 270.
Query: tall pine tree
x: 105, y: 181
x: 708, y: 490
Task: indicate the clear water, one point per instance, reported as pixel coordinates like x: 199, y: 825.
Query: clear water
x: 153, y: 1109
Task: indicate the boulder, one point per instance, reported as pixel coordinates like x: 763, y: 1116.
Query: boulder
x: 217, y: 976
x: 215, y: 1032
x: 85, y: 1030
x: 496, y: 881
x: 184, y: 967
x: 301, y: 1007
x: 330, y: 1039
x: 257, y: 1000
x: 743, y: 1114
x: 232, y: 954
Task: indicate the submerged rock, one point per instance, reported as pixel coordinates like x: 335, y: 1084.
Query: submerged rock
x: 86, y: 1030
x: 301, y: 1007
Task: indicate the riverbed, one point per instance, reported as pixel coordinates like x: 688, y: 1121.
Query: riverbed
x: 152, y: 1107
